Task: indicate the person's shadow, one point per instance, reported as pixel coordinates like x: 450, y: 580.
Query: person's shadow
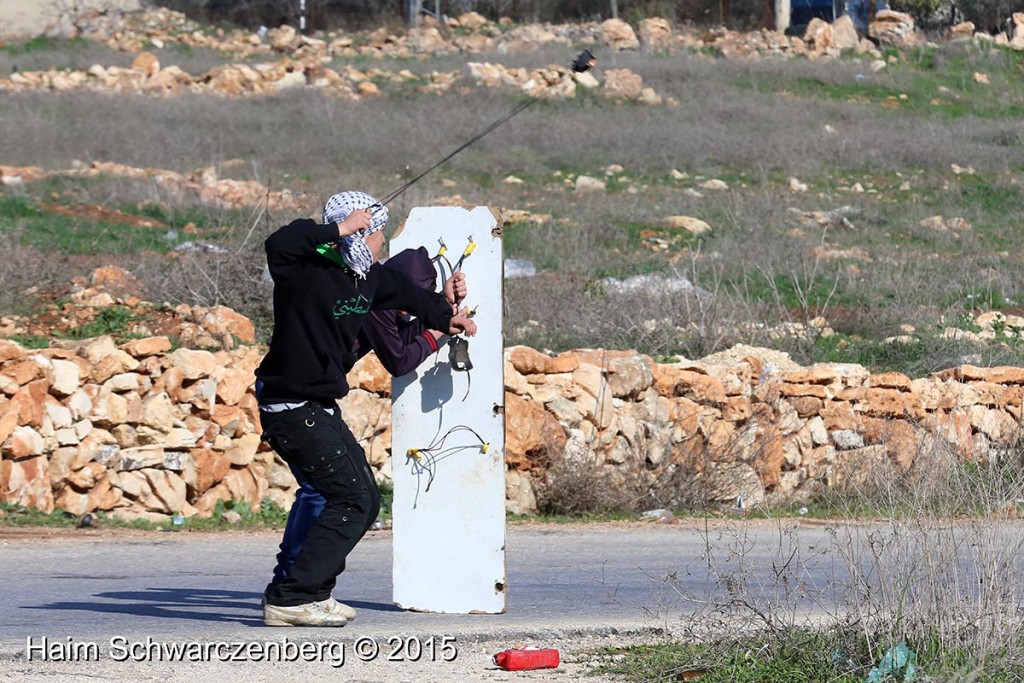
x: 435, y: 386
x: 194, y: 604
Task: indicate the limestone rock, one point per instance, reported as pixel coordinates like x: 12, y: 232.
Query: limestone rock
x: 243, y: 450
x: 23, y: 442
x: 150, y: 346
x: 26, y: 482
x: 893, y: 28
x: 694, y: 226
x: 282, y: 38
x: 532, y: 434
x: 211, y: 468
x: 147, y: 63
x: 844, y: 34
x: 368, y: 374
x: 619, y: 35
x: 472, y: 21
x: 655, y: 34
x: 622, y: 84
x: 66, y: 377
x: 585, y: 183
x: 222, y: 320
x: 520, y: 498
x: 193, y: 363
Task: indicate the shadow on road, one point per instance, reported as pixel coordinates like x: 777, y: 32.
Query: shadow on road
x: 375, y: 606
x: 196, y: 604
x: 172, y: 603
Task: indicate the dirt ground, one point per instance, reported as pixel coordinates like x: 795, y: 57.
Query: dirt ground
x: 26, y: 18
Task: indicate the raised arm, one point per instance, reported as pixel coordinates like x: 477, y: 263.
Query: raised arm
x: 291, y: 243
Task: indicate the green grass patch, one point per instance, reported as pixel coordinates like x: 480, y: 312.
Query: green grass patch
x: 112, y: 320
x: 798, y: 657
x: 577, y: 518
x: 980, y: 298
x: 789, y: 291
x: 43, y: 44
x: 927, y: 82
x: 268, y: 516
x: 387, y: 499
x: 52, y: 232
x: 926, y: 354
x: 31, y: 341
x: 795, y: 656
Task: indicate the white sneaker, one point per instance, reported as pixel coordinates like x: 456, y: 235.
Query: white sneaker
x: 341, y: 608
x: 327, y: 612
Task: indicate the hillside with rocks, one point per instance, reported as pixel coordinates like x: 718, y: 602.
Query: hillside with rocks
x: 290, y: 60
x: 874, y: 168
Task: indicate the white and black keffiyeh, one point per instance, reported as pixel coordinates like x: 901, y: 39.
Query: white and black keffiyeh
x: 353, y: 249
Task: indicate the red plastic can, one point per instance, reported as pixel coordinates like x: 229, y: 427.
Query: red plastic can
x: 527, y: 658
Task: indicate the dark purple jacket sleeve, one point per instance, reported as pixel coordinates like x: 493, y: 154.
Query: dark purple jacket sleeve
x: 400, y: 346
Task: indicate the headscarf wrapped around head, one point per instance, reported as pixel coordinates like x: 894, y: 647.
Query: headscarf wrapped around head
x: 353, y: 249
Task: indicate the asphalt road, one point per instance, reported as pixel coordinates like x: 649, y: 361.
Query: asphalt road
x: 92, y: 586
x: 565, y: 583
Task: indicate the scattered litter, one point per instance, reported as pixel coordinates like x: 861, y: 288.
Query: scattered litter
x: 740, y: 506
x: 378, y: 524
x: 519, y: 268
x: 898, y: 665
x: 88, y: 520
x: 527, y: 658
x: 200, y: 247
x: 661, y: 516
x: 178, y: 519
x: 803, y: 511
x: 652, y: 284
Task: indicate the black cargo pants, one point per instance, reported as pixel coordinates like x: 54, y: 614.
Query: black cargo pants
x: 323, y: 447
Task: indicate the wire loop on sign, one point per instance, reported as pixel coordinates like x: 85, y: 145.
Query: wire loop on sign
x: 424, y: 460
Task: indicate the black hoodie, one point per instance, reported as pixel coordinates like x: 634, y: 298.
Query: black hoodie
x: 319, y: 308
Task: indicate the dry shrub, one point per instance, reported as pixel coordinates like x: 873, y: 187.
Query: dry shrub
x: 941, y: 567
x: 233, y: 279
x: 23, y: 268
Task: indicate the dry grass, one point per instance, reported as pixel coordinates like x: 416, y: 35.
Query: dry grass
x: 753, y: 124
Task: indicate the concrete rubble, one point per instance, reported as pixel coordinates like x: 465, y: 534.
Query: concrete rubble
x: 146, y: 429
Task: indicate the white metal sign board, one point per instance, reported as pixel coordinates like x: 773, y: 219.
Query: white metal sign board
x: 448, y: 434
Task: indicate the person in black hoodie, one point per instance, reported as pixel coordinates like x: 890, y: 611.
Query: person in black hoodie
x: 401, y: 343
x: 326, y: 280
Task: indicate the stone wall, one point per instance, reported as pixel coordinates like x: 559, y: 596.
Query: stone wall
x: 21, y: 18
x: 143, y: 431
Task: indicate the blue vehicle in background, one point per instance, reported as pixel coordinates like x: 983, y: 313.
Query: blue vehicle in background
x: 801, y: 12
